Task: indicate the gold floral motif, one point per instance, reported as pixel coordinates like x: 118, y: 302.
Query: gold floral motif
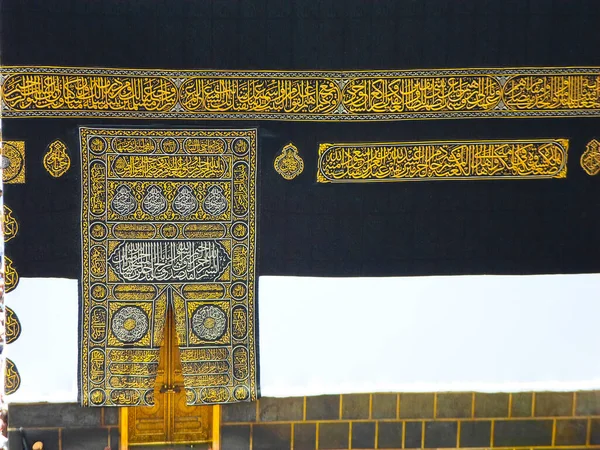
x: 13, y: 162
x: 391, y: 161
x: 288, y: 163
x: 56, y: 159
x: 11, y: 277
x: 12, y: 378
x: 10, y: 226
x: 590, y: 160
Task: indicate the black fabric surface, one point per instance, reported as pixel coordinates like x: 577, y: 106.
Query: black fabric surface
x: 410, y: 228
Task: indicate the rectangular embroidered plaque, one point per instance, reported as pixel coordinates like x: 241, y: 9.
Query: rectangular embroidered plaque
x: 417, y: 161
x: 168, y: 218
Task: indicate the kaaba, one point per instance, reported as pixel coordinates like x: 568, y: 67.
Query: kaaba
x: 209, y: 202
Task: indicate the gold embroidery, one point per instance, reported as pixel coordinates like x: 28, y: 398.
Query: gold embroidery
x: 407, y: 94
x: 83, y: 92
x: 11, y: 277
x: 56, y: 159
x: 258, y: 94
x: 552, y: 92
x: 98, y: 322
x: 12, y: 379
x: 388, y: 161
x: 13, y: 326
x: 239, y: 322
x: 288, y: 163
x: 316, y: 95
x: 204, y: 354
x: 133, y: 355
x: 13, y: 162
x: 156, y: 167
x: 10, y: 226
x: 590, y: 159
x: 167, y: 219
x: 209, y: 323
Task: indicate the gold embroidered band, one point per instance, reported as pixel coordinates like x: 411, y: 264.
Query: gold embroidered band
x: 316, y: 95
x: 416, y: 161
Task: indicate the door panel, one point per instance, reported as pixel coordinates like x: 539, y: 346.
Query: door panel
x: 170, y: 420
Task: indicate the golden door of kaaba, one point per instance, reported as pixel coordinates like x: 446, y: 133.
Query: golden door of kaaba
x: 170, y: 421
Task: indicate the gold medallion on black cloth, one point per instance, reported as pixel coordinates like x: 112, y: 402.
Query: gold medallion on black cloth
x: 168, y: 220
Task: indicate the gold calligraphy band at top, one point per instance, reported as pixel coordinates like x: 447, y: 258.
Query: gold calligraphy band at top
x: 301, y: 96
x: 422, y: 161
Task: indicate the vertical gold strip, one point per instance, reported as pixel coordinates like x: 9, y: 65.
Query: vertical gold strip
x: 350, y: 435
x: 340, y: 411
x: 435, y: 405
x: 458, y: 434
x: 403, y: 434
x: 216, y: 427
x: 492, y: 433
x: 510, y: 400
x: 377, y: 434
x: 533, y: 404
x: 588, y: 436
x: 370, y: 406
x: 317, y: 437
x: 397, y: 406
x: 553, y: 432
x: 257, y: 411
x: 291, y: 437
x: 170, y: 341
x: 123, y: 444
x: 473, y: 405
x: 251, y: 436
x: 304, y: 409
x: 60, y: 438
x: 423, y: 434
x: 574, y: 403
